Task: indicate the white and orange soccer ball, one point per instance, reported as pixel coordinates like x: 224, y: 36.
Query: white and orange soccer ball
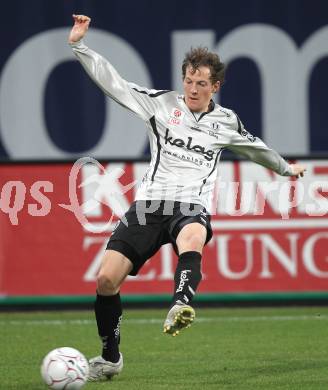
x: 65, y: 368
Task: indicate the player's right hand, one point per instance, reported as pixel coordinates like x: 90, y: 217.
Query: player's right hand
x: 81, y: 25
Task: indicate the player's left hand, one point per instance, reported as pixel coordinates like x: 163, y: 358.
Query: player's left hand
x: 298, y: 170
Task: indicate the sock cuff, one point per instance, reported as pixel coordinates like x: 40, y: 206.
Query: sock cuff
x: 108, y: 299
x: 186, y: 257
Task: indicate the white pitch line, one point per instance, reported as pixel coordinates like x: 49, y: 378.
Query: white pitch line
x: 150, y: 321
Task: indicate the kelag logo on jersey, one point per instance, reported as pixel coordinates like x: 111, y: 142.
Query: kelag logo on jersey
x: 180, y: 143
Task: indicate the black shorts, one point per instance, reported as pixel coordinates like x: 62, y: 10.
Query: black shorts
x: 148, y: 225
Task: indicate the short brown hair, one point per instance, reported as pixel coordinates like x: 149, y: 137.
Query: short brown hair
x: 200, y: 56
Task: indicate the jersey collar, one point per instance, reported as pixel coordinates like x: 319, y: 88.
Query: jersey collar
x: 211, y: 107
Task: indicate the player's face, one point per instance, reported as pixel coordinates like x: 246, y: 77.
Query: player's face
x: 198, y: 88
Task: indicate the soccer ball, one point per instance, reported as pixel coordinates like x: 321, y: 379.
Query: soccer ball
x: 65, y: 368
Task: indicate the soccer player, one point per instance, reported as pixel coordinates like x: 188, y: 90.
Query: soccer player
x: 187, y: 134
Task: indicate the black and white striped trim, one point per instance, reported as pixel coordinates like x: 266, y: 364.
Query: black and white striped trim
x: 158, y: 93
x: 152, y: 121
x: 214, y: 166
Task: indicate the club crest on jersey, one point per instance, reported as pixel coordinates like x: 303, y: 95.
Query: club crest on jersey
x: 215, y: 125
x: 176, y: 116
x: 213, y: 129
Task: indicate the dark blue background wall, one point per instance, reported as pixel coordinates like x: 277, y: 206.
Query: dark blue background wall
x: 74, y: 110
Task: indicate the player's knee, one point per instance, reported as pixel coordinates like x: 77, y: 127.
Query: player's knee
x: 106, y: 285
x: 195, y: 242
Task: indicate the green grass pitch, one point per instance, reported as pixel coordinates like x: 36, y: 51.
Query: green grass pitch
x: 254, y: 348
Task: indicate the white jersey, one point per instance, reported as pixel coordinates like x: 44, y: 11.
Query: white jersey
x: 185, y: 149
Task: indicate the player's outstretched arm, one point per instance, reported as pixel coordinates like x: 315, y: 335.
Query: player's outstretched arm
x: 255, y: 149
x: 106, y: 76
x: 79, y: 29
